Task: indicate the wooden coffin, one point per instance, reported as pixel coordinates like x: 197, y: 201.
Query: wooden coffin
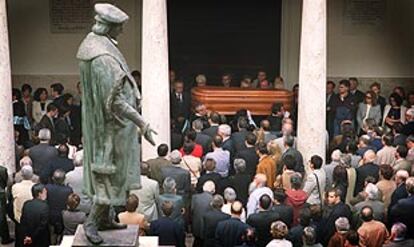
x: 229, y: 100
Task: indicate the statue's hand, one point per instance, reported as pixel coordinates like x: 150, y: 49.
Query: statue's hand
x: 148, y: 134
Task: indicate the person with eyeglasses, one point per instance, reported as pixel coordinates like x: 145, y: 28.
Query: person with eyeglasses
x: 368, y: 109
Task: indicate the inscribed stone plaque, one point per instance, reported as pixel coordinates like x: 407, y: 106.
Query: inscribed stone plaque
x: 364, y: 16
x: 70, y: 16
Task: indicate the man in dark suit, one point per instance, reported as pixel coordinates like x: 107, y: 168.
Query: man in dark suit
x: 4, y: 228
x: 249, y: 154
x: 399, y: 193
x: 285, y: 211
x: 211, y: 218
x: 330, y: 116
x: 289, y: 141
x: 42, y: 153
x: 262, y: 220
x: 367, y: 169
x: 230, y: 232
x: 157, y: 163
x: 180, y: 175
x: 398, y: 236
x: 201, y: 114
x: 56, y: 93
x: 240, y: 181
x: 168, y: 231
x: 200, y: 203
x: 180, y: 101
x: 61, y: 162
x: 210, y: 174
x: 214, y: 121
x: 403, y: 211
x: 57, y: 196
x: 335, y: 208
x: 238, y: 138
x: 35, y: 218
x: 48, y: 121
x: 353, y: 90
x: 202, y: 139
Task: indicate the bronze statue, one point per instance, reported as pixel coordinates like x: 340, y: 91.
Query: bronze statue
x: 110, y: 103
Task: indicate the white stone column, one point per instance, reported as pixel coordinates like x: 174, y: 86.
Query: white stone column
x: 155, y: 82
x: 312, y: 80
x: 7, y: 156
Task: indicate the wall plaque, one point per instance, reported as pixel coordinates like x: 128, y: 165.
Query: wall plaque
x: 362, y: 16
x: 70, y: 16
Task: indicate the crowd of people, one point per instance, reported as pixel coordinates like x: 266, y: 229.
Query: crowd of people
x: 227, y: 180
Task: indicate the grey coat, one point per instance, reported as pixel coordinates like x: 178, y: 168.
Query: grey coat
x: 374, y: 113
x: 200, y: 203
x: 311, y: 187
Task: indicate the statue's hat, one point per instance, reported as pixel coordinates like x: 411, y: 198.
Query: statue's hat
x: 108, y: 13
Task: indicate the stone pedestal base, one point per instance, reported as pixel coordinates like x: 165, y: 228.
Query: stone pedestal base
x: 126, y: 237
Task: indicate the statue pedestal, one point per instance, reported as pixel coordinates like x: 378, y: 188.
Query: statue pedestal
x: 126, y: 237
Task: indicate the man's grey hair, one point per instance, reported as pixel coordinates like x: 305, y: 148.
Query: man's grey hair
x: 169, y: 185
x: 372, y: 191
x: 399, y: 229
x: 209, y: 187
x: 217, y: 202
x: 410, y: 112
x: 289, y: 140
x: 345, y: 160
x: 201, y: 78
x: 197, y: 125
x: 342, y: 224
x: 26, y: 161
x: 230, y: 194
x: 224, y: 129
x: 27, y: 172
x: 336, y: 154
x: 78, y: 158
x: 44, y: 134
x: 239, y: 165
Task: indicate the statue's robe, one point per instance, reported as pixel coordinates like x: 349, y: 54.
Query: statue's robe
x: 110, y: 99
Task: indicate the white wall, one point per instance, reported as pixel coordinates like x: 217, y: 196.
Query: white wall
x: 385, y: 54
x: 36, y: 51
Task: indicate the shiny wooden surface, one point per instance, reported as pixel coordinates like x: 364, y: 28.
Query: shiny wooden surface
x: 228, y: 100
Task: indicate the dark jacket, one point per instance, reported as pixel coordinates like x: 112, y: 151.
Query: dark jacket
x: 211, y: 131
x: 63, y: 163
x: 57, y: 196
x: 205, y: 141
x: 180, y: 108
x: 261, y: 222
x: 200, y: 203
x: 285, y: 212
x: 41, y: 154
x: 168, y: 231
x: 369, y: 169
x: 34, y: 222
x: 249, y: 155
x: 331, y: 214
x: 181, y: 177
x: 230, y: 232
x: 47, y: 123
x: 238, y: 140
x: 240, y: 183
x: 403, y: 212
x: 213, y: 176
x: 210, y: 220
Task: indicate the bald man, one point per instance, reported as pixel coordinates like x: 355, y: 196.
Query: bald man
x: 368, y: 168
x: 230, y: 232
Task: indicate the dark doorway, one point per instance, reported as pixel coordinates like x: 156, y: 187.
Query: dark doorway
x: 213, y: 37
